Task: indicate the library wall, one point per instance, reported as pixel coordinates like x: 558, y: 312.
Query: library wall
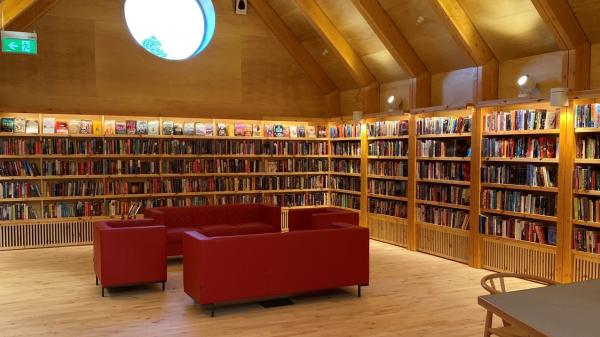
x: 352, y: 100
x: 595, y: 68
x: 88, y: 62
x: 546, y: 69
x: 453, y: 87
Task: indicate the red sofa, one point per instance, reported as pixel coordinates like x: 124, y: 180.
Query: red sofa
x: 274, y: 264
x: 222, y: 220
x: 128, y: 252
x: 320, y: 217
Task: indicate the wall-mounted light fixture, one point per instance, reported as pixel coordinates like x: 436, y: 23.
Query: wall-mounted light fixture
x: 527, y: 86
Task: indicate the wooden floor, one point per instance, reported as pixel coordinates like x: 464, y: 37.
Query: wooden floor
x: 51, y: 292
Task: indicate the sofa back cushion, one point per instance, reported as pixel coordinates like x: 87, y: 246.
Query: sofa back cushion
x: 226, y: 214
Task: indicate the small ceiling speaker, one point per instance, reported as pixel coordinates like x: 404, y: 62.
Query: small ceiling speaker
x: 241, y: 7
x: 559, y: 97
x: 357, y: 116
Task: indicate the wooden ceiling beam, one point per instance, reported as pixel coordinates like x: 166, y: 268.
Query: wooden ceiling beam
x: 466, y: 35
x: 400, y: 49
x: 291, y: 43
x: 325, y: 28
x: 21, y: 14
x: 569, y: 35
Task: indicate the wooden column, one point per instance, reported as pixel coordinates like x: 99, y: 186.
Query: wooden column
x: 411, y: 191
x: 475, y: 238
x: 364, y: 180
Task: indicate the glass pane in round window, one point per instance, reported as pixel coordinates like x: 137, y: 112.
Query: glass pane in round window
x: 171, y: 29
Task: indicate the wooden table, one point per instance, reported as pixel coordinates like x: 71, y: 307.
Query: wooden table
x: 571, y: 310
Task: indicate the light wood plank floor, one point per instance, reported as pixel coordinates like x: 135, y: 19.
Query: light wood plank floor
x: 51, y: 292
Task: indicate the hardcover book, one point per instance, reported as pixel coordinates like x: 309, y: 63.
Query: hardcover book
x: 153, y: 128
x: 109, y: 127
x: 131, y: 127
x: 8, y: 124
x: 97, y: 127
x: 120, y: 128
x: 278, y: 130
x: 301, y: 132
x: 286, y: 131
x: 321, y: 132
x: 239, y: 130
x: 189, y: 129
x: 141, y: 128
x: 32, y: 127
x: 222, y: 130
x: 269, y: 131
x: 62, y: 127
x: 74, y: 126
x: 178, y: 128
x: 167, y: 128
x: 293, y: 131
x: 85, y: 128
x: 311, y: 131
x: 210, y: 130
x: 200, y: 129
x: 256, y: 130
x: 48, y: 125
x: 19, y: 126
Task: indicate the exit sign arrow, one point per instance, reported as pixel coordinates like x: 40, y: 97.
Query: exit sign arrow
x: 19, y: 42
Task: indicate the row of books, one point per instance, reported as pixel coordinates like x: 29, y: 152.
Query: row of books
x: 232, y: 199
x: 177, y: 146
x: 187, y: 185
x: 297, y: 165
x: 345, y: 200
x: 19, y: 211
x: 21, y: 168
x: 443, y: 216
x: 586, y: 240
x: 587, y: 147
x: 345, y: 183
x: 586, y: 209
x: 519, y: 201
x: 296, y: 148
x: 346, y: 149
x: 75, y: 188
x: 346, y: 165
x: 19, y: 125
x: 444, y: 148
x: 74, y: 209
x: 233, y: 147
x: 518, y: 229
x: 388, y: 128
x: 449, y: 194
x: 388, y: 148
x: 445, y: 171
x: 67, y: 146
x: 586, y: 178
x: 269, y: 183
x: 528, y: 175
x: 443, y: 125
x: 19, y: 189
x: 344, y: 131
x: 521, y: 147
x: 133, y: 187
x: 538, y: 119
x: 388, y: 168
x: 296, y: 199
x: 388, y: 207
x: 392, y: 188
x: 19, y: 146
x: 187, y: 166
x: 587, y: 115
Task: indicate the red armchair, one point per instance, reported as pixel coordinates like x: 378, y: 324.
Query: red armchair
x: 221, y: 220
x: 320, y: 217
x: 274, y: 264
x: 129, y: 252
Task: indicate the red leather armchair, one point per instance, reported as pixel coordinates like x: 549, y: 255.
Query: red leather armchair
x: 128, y: 252
x: 274, y: 264
x: 320, y: 217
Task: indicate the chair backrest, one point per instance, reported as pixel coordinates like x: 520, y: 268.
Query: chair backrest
x: 497, y: 283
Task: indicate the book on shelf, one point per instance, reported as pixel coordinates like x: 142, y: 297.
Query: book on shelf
x: 110, y: 127
x: 301, y: 132
x: 388, y: 207
x: 96, y: 127
x: 85, y: 127
x: 293, y: 131
x: 269, y: 131
x: 141, y: 127
x: 388, y: 128
x: 311, y: 131
x: 168, y: 128
x: 256, y: 131
x: 200, y: 129
x: 518, y: 229
x: 443, y: 216
x: 153, y: 127
x: 177, y: 128
x: 19, y: 125
x: 520, y: 147
x: 131, y: 127
x: 443, y: 125
x: 120, y: 128
x: 527, y: 175
x: 519, y: 201
x: 7, y: 124
x: 62, y: 127
x: 520, y: 120
x: 586, y: 240
x: 222, y: 130
x: 49, y: 125
x: 286, y: 131
x: 189, y: 129
x: 32, y: 126
x: 73, y: 126
x: 243, y: 130
x: 278, y: 131
x: 587, y: 115
x: 321, y: 131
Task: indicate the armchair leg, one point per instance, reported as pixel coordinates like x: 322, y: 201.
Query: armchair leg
x: 359, y: 292
x: 102, y: 291
x: 96, y: 280
x: 488, y: 324
x: 163, y: 286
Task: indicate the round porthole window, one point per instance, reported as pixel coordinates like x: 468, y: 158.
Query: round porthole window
x: 171, y: 29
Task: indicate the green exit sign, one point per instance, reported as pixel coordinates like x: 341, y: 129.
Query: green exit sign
x: 19, y: 42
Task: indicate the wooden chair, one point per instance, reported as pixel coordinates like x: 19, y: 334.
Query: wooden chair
x: 489, y: 283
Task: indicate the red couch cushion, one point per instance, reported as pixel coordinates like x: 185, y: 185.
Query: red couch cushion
x: 254, y: 228
x: 178, y: 216
x: 218, y: 230
x: 227, y: 215
x: 175, y: 234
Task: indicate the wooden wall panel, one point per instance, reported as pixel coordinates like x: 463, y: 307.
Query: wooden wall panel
x: 401, y: 91
x: 595, y: 67
x: 454, y: 87
x: 546, y: 69
x: 88, y: 62
x: 351, y: 100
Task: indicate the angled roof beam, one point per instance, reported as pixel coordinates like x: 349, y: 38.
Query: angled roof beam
x: 21, y: 14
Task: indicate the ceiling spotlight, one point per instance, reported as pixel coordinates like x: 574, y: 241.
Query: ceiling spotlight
x: 392, y: 104
x: 527, y: 86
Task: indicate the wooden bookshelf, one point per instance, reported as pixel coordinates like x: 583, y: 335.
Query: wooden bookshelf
x: 345, y: 179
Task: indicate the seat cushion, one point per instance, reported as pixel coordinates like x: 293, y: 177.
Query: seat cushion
x: 254, y: 228
x: 175, y: 234
x: 218, y: 230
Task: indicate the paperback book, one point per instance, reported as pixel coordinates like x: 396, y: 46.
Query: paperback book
x: 85, y: 127
x: 141, y: 128
x: 109, y: 127
x: 178, y: 128
x: 8, y: 124
x: 62, y: 127
x: 48, y: 125
x: 153, y: 128
x: 19, y: 126
x: 120, y: 128
x: 167, y: 128
x: 189, y: 129
x: 74, y: 126
x: 131, y: 127
x: 32, y: 127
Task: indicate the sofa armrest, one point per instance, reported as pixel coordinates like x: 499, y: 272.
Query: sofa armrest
x: 300, y: 219
x: 323, y: 220
x: 157, y: 215
x: 272, y: 216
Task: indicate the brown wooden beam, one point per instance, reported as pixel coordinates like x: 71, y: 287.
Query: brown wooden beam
x: 21, y: 14
x: 420, y: 91
x: 321, y: 23
x: 296, y: 49
x: 569, y: 35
